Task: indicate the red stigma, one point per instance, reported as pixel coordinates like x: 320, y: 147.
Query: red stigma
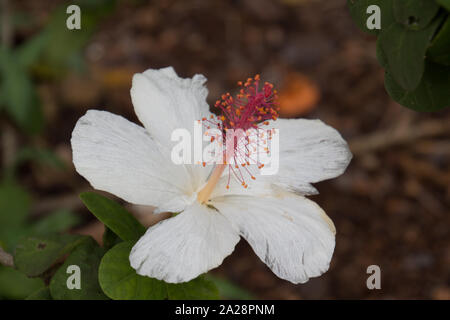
x: 254, y: 104
x: 252, y: 107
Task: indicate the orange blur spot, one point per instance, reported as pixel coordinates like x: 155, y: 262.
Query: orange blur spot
x: 298, y: 96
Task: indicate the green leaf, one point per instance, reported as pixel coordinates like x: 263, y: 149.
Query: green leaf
x: 114, y: 216
x: 40, y: 294
x: 415, y: 14
x: 229, y: 290
x: 440, y: 47
x: 430, y: 95
x: 20, y: 98
x: 57, y: 221
x: 405, y: 52
x: 110, y: 239
x: 87, y: 257
x: 444, y: 3
x: 16, y: 285
x: 37, y: 254
x: 358, y: 12
x: 197, y: 289
x: 120, y: 281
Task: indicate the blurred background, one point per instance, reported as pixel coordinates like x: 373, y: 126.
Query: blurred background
x: 391, y: 207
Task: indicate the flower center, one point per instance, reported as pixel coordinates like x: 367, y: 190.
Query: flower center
x: 240, y: 125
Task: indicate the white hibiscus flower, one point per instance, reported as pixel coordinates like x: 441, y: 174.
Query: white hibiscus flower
x: 291, y: 234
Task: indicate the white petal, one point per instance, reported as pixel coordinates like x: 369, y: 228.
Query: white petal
x: 119, y: 157
x: 261, y: 187
x: 291, y: 234
x: 183, y: 247
x: 310, y: 151
x: 164, y: 102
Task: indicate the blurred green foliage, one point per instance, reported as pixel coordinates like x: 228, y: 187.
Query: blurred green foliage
x: 15, y: 222
x: 48, y: 55
x: 18, y: 94
x: 59, y: 48
x: 414, y: 48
